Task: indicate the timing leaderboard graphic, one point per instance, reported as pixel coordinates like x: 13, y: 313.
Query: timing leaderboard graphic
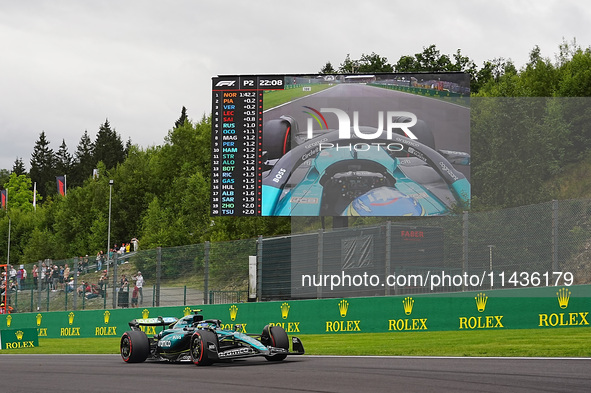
x: 340, y: 145
x: 237, y: 143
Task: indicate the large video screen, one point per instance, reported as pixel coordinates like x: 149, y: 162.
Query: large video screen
x: 340, y: 145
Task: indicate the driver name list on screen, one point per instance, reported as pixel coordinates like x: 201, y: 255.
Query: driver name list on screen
x: 237, y: 116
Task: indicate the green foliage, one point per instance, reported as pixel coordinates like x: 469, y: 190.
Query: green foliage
x: 84, y: 162
x: 20, y: 193
x: 181, y: 120
x: 42, y: 166
x: 108, y: 146
x: 18, y: 167
x: 63, y: 160
x: 4, y: 176
x: 328, y: 69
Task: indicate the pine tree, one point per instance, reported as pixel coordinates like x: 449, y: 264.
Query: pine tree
x: 84, y: 162
x: 63, y: 160
x: 108, y: 146
x: 181, y: 120
x: 19, y: 167
x: 42, y: 166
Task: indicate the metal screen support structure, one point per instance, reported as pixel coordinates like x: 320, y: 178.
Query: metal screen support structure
x: 115, y: 286
x: 259, y: 268
x: 158, y: 274
x: 555, y: 267
x: 75, y: 291
x: 320, y: 260
x: 465, y: 225
x: 206, y: 274
x: 388, y: 261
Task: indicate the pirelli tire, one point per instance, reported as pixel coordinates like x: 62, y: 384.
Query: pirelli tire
x: 201, y: 353
x: 277, y: 137
x: 275, y: 336
x: 134, y: 346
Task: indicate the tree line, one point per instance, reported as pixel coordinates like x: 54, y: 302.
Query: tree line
x: 522, y: 140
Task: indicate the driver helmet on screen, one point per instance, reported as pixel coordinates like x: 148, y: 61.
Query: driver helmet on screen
x: 384, y: 201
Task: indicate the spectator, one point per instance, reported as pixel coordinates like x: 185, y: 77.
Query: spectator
x: 139, y: 283
x: 85, y: 264
x: 47, y: 276
x: 134, y: 296
x: 122, y: 252
x: 61, y: 277
x: 24, y: 278
x: 70, y: 285
x: 42, y: 275
x: 99, y: 261
x: 19, y: 277
x: 55, y: 278
x: 103, y: 281
x: 12, y: 273
x: 35, y: 276
x: 66, y: 273
x: 124, y: 285
x: 83, y: 288
x: 136, y: 244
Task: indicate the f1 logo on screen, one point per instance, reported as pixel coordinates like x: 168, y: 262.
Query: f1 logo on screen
x: 225, y: 83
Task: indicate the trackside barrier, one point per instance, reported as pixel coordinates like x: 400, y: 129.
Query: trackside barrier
x: 528, y: 308
x: 423, y: 91
x: 19, y: 338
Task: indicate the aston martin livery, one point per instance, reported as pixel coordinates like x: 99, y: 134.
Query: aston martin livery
x: 386, y: 176
x: 202, y: 341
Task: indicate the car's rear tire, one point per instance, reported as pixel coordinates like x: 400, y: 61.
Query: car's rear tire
x: 200, y: 347
x: 275, y: 336
x: 134, y: 346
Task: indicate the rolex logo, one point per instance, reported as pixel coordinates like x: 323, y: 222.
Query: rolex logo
x: 343, y: 307
x: 187, y: 311
x: 39, y: 318
x: 8, y: 320
x: 481, y: 299
x: 408, y: 302
x: 233, y: 312
x: 19, y: 334
x: 563, y: 295
x: 145, y: 313
x: 106, y: 317
x: 71, y: 318
x: 284, y: 310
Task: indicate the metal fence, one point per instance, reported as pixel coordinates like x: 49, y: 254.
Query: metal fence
x: 538, y: 245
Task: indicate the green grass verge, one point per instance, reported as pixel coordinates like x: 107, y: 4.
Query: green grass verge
x: 566, y: 342
x: 277, y: 97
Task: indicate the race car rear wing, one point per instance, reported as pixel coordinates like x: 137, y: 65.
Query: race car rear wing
x: 158, y: 321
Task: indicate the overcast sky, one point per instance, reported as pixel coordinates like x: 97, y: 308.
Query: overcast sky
x: 66, y: 66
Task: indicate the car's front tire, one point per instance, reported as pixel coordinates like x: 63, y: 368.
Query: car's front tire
x: 277, y: 135
x: 134, y: 346
x: 200, y: 347
x: 275, y: 336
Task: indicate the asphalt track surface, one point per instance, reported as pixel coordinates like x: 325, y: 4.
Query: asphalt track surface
x: 108, y: 373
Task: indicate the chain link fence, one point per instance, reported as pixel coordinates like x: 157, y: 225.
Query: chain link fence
x: 539, y: 245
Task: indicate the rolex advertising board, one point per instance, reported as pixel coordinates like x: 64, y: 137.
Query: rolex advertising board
x: 529, y: 308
